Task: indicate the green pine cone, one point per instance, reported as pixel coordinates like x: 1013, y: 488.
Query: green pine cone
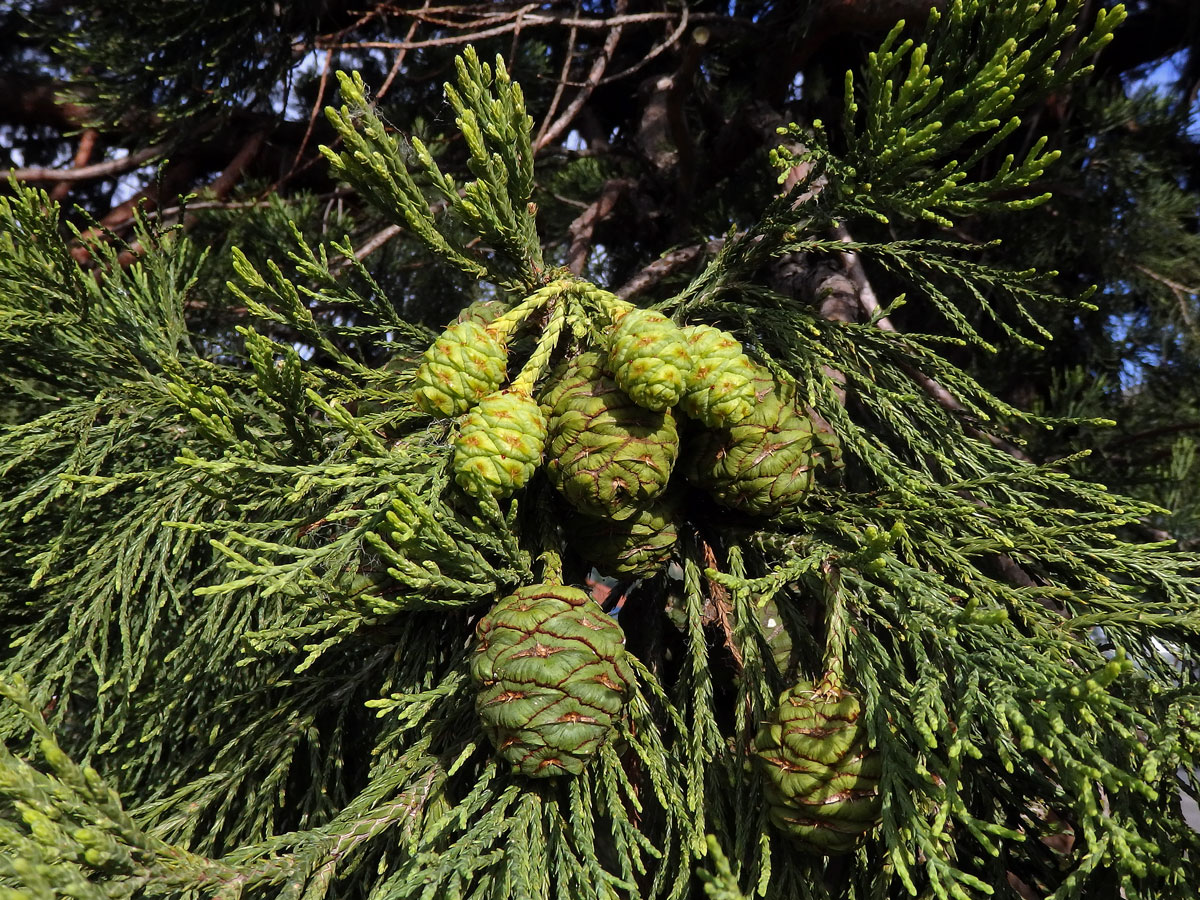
x: 649, y: 359
x: 481, y: 311
x: 720, y: 388
x: 607, y: 455
x: 465, y: 363
x: 765, y: 463
x: 553, y: 678
x: 821, y: 778
x: 636, y: 547
x: 500, y: 444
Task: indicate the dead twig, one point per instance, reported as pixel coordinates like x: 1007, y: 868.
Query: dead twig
x: 230, y: 175
x: 1180, y: 291
x: 398, y: 62
x: 377, y: 240
x: 562, y: 81
x: 312, y: 118
x: 669, y: 41
x: 515, y: 20
x: 718, y: 610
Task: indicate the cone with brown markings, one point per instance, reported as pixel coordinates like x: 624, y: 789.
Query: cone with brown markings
x: 606, y: 454
x: 821, y: 776
x: 552, y: 674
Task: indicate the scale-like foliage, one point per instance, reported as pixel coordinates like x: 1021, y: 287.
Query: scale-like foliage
x: 242, y: 587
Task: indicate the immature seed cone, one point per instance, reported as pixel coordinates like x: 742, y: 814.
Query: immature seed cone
x: 649, y: 359
x: 464, y: 364
x: 481, y: 311
x: 637, y: 546
x: 500, y: 444
x: 553, y: 678
x: 607, y: 455
x: 720, y: 388
x: 821, y: 778
x: 765, y: 463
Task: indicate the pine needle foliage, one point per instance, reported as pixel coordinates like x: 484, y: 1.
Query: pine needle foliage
x: 240, y: 588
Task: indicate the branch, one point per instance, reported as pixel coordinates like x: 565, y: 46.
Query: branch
x: 855, y: 271
x: 22, y: 103
x: 669, y: 41
x: 652, y: 274
x: 562, y: 82
x: 233, y: 172
x: 376, y: 241
x: 1153, y: 433
x: 96, y: 170
x: 217, y: 190
x: 398, y: 62
x: 83, y: 155
x: 312, y: 119
x: 523, y: 19
x: 870, y: 305
x: 610, y: 45
x: 1181, y: 292
x: 584, y: 227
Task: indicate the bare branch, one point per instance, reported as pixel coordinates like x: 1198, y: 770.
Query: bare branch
x: 656, y: 271
x: 96, y: 170
x: 562, y: 81
x: 312, y: 119
x: 399, y: 60
x: 669, y: 41
x: 610, y: 45
x: 584, y: 226
x: 83, y: 155
x: 516, y: 20
x: 229, y: 176
x: 376, y: 241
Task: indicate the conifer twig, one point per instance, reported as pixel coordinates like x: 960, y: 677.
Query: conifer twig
x: 836, y: 623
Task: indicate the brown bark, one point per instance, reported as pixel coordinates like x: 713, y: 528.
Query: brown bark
x: 584, y: 226
x: 83, y: 156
